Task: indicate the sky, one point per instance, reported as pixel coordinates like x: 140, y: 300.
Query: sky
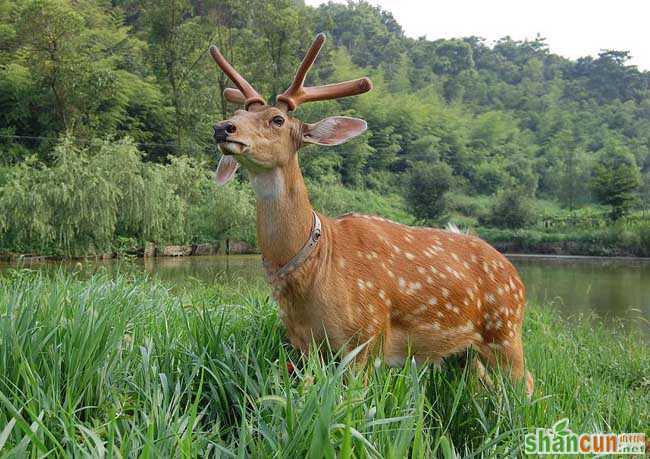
x: 572, y: 28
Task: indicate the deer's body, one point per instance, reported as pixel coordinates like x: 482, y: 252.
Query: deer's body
x: 411, y: 291
x: 414, y: 291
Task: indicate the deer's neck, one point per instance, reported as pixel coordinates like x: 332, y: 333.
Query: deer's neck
x: 284, y: 214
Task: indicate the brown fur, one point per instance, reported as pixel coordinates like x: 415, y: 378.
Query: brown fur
x: 415, y: 291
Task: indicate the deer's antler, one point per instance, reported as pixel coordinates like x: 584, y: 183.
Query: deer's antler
x: 246, y: 94
x: 298, y: 94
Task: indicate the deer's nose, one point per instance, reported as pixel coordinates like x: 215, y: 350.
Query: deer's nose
x: 222, y: 130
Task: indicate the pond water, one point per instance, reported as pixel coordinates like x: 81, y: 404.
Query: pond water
x: 611, y: 288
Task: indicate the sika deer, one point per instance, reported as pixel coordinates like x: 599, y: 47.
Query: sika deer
x: 415, y: 291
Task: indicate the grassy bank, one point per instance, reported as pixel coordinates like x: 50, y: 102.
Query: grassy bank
x: 632, y: 241
x: 125, y: 366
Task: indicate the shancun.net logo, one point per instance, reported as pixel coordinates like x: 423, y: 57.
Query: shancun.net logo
x: 559, y: 439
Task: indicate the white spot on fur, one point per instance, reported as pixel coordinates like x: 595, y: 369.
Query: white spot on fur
x: 415, y: 286
x: 420, y: 309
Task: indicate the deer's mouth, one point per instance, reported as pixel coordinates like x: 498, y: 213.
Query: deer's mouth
x: 232, y: 147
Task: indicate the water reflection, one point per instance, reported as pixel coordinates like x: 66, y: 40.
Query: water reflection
x: 611, y: 288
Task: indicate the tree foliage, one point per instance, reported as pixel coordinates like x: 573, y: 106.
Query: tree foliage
x: 616, y: 178
x: 509, y: 114
x: 428, y: 185
x: 87, y: 197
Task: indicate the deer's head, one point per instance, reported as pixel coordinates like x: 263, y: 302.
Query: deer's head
x: 262, y: 137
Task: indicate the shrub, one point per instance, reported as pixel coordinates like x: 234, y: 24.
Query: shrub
x: 643, y: 230
x: 512, y: 209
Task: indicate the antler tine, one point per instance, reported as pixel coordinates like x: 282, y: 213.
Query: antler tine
x: 298, y: 94
x: 250, y: 94
x: 293, y: 92
x: 336, y: 90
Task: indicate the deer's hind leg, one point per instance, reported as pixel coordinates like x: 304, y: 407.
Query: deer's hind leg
x: 482, y: 373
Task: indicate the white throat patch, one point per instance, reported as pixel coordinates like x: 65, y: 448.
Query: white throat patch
x: 268, y: 185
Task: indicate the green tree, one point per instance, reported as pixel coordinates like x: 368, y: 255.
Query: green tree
x: 490, y: 177
x: 427, y: 188
x: 386, y: 145
x: 170, y: 51
x: 79, y: 75
x: 616, y: 179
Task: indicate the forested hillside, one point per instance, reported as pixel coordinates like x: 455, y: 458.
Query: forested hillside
x: 503, y: 134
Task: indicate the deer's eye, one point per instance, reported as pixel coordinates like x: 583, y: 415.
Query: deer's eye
x: 277, y: 120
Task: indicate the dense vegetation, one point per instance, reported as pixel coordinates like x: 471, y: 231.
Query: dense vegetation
x: 123, y: 367
x: 505, y: 135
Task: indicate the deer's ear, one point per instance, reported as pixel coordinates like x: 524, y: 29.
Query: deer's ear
x: 333, y: 131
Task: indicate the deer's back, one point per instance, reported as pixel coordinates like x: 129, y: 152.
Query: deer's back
x: 423, y: 280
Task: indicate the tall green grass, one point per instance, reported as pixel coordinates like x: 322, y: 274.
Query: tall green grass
x: 120, y: 365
